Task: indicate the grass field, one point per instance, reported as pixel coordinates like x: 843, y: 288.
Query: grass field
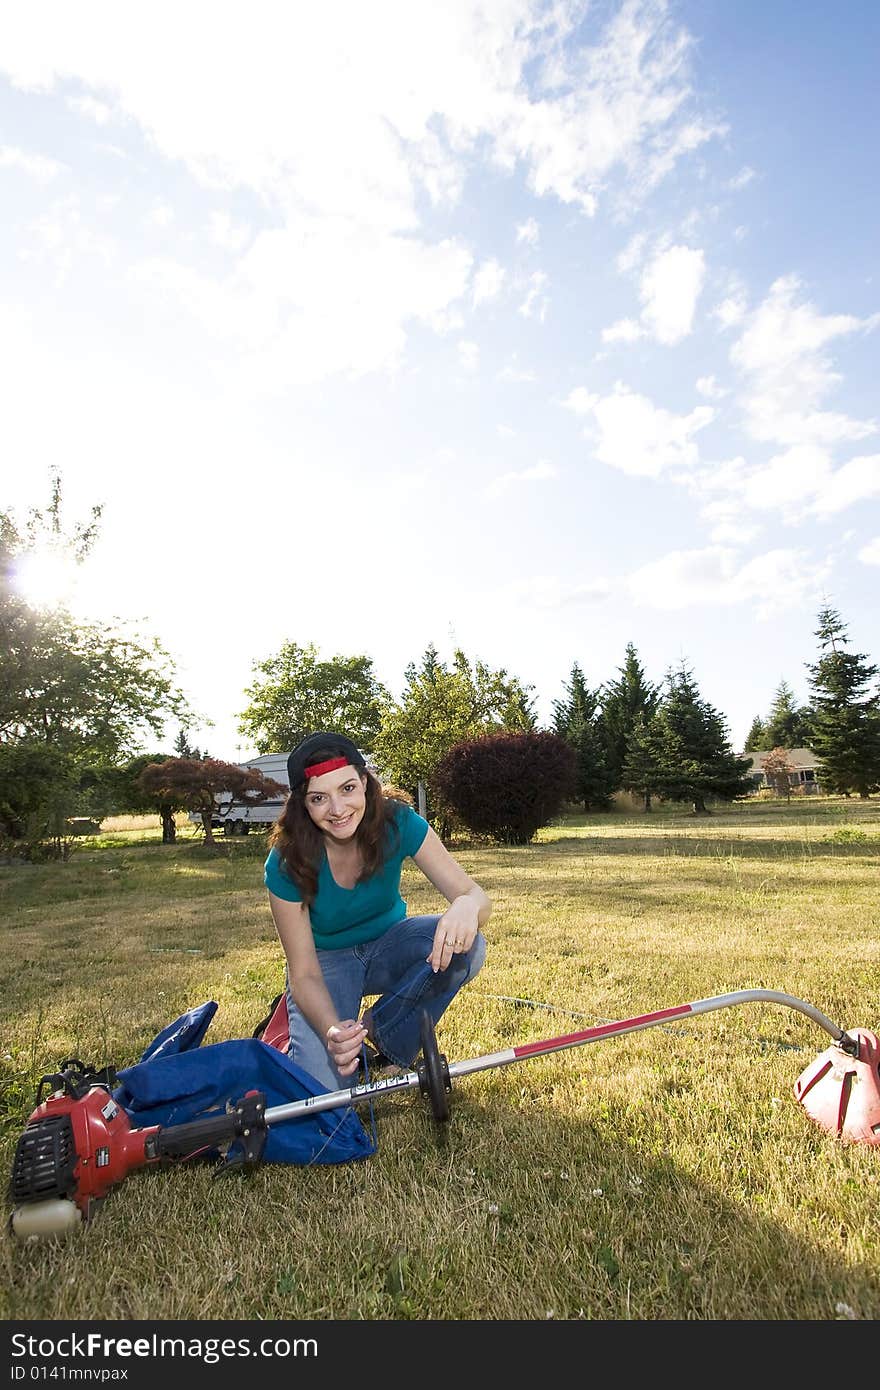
x: 668, y: 1174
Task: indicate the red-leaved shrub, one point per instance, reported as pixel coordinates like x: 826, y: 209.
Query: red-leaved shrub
x: 507, y: 785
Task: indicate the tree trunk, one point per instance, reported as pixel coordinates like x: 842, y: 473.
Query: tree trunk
x: 647, y: 800
x: 700, y: 807
x: 208, y: 828
x: 169, y: 829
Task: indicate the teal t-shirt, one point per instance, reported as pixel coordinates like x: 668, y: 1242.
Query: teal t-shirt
x: 347, y: 916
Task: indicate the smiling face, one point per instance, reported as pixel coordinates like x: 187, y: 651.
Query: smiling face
x: 336, y: 802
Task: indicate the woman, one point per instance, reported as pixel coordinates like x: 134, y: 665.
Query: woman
x: 333, y: 875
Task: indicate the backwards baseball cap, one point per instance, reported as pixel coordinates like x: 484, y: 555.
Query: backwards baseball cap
x: 320, y: 753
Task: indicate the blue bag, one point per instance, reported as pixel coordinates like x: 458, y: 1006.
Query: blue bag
x: 178, y: 1080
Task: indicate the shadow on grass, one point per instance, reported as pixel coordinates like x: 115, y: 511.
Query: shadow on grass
x: 506, y: 1212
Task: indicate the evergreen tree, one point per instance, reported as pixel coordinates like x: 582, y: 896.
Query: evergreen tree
x: 624, y: 701
x: 787, y: 725
x: 695, y: 756
x: 578, y: 719
x: 756, y: 739
x: 845, y: 713
x: 643, y: 767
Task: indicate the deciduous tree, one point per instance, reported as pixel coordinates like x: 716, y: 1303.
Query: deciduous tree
x: 296, y: 693
x: 508, y: 785
x: 777, y: 770
x: 443, y: 705
x: 193, y: 784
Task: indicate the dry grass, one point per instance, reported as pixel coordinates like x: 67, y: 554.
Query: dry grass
x: 669, y: 1174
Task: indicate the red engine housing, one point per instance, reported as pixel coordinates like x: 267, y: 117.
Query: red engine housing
x: 77, y: 1146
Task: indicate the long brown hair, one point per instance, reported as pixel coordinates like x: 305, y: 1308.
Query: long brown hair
x: 300, y: 844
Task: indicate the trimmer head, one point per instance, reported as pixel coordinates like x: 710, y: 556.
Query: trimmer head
x: 841, y: 1092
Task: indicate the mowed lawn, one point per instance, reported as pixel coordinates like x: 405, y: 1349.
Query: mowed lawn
x: 666, y: 1174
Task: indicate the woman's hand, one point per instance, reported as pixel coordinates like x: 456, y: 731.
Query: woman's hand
x: 344, y: 1042
x: 455, y: 933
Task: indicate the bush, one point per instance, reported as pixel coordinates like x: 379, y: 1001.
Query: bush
x: 507, y: 785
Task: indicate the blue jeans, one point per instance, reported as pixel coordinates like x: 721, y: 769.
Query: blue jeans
x: 395, y: 967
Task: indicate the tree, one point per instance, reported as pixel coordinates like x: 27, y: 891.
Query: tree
x: 777, y: 770
x: 624, y: 701
x: 296, y: 694
x: 441, y: 706
x: 693, y: 748
x: 845, y: 712
x: 643, y: 771
x: 507, y: 785
x: 756, y: 739
x: 577, y: 718
x: 128, y: 794
x: 85, y: 693
x: 193, y: 785
x: 787, y: 724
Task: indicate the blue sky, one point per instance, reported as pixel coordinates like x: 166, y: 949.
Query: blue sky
x: 531, y: 329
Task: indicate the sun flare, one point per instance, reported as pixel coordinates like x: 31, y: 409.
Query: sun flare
x: 45, y: 579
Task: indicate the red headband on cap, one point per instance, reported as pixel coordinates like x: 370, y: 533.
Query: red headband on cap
x: 318, y: 769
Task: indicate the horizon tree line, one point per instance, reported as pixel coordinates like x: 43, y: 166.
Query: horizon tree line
x: 79, y: 702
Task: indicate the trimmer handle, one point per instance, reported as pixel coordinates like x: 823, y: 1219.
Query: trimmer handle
x: 246, y: 1121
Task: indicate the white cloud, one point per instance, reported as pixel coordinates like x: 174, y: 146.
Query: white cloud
x: 535, y: 303
x: 512, y: 372
x: 546, y: 592
x: 638, y: 437
x: 322, y: 298
x: 340, y: 142
x: 540, y: 472
x: 225, y: 232
x: 733, y: 533
x: 632, y: 253
x: 36, y: 166
x: 426, y: 85
x: 669, y: 291
x: 745, y: 176
x: 780, y: 353
x: 870, y: 553
x: 730, y: 311
x: 798, y: 482
x: 97, y: 111
x: 716, y: 576
x: 709, y: 387
x: 162, y: 215
x: 623, y: 331
x: 468, y: 355
x: 528, y: 232
x: 62, y: 235
x: 488, y: 280
x: 580, y: 400
x: 857, y: 479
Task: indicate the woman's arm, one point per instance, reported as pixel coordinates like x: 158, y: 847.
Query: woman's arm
x: 342, y: 1037
x: 469, y: 906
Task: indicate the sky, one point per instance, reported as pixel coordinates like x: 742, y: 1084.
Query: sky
x: 530, y: 329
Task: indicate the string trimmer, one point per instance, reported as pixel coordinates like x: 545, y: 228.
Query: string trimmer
x: 79, y: 1143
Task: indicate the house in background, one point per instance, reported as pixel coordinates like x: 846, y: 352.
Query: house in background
x: 804, y: 774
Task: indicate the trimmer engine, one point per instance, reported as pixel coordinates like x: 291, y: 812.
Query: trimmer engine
x: 78, y: 1142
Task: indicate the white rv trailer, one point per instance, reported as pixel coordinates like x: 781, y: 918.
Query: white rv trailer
x: 236, y: 817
